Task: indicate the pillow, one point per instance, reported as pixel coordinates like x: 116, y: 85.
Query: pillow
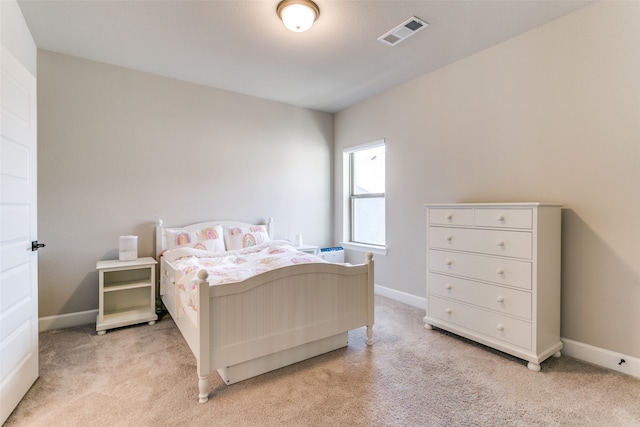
x: 243, y: 237
x: 208, y: 239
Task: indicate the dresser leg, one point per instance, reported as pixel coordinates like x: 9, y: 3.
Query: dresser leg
x: 557, y: 354
x: 534, y: 366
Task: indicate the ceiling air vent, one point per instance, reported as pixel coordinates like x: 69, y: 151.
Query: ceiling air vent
x: 403, y: 31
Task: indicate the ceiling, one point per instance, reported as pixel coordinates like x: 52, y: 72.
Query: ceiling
x: 242, y: 46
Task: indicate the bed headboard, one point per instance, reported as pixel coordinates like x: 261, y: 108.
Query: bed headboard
x: 161, y: 237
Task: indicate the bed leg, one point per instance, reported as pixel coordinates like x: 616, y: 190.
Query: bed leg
x: 202, y: 355
x: 370, y: 298
x: 203, y: 385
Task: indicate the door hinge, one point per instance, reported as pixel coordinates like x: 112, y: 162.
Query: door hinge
x: 35, y: 245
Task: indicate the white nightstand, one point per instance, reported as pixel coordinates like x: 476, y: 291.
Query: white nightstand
x: 127, y: 293
x: 309, y: 249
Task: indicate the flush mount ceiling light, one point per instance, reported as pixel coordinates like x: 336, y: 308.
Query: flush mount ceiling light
x: 298, y: 15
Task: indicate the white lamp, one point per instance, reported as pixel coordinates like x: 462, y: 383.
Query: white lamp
x: 298, y: 15
x: 128, y: 248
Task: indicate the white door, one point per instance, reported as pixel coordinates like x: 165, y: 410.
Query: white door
x: 18, y: 228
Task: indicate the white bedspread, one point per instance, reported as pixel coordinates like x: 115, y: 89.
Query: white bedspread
x: 231, y: 266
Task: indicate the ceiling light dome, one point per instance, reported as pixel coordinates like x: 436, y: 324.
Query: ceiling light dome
x: 298, y: 15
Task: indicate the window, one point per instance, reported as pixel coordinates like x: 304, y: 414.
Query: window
x: 366, y: 176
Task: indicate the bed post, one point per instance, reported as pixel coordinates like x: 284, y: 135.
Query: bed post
x: 160, y: 245
x: 159, y: 242
x: 270, y: 228
x: 370, y: 302
x: 203, y: 336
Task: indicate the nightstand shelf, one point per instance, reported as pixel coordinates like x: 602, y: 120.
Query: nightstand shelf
x: 132, y: 315
x: 125, y: 284
x: 127, y: 293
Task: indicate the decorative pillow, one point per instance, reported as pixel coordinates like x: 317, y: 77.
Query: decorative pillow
x: 243, y: 237
x: 208, y: 239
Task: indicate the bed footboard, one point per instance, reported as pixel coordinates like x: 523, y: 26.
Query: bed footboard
x: 280, y: 317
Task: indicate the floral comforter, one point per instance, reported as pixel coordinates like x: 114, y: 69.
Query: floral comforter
x: 231, y: 266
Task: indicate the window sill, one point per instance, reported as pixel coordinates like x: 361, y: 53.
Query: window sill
x: 361, y: 247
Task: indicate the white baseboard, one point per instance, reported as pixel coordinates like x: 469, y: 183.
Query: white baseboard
x: 69, y: 320
x: 585, y: 352
x: 602, y: 357
x: 404, y: 297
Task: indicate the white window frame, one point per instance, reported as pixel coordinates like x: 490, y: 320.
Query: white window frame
x: 347, y: 243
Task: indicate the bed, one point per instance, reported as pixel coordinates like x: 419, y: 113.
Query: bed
x: 272, y: 312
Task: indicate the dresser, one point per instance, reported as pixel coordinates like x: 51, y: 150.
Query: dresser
x: 493, y: 275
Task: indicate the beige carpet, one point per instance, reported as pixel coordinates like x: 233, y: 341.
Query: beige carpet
x: 145, y: 376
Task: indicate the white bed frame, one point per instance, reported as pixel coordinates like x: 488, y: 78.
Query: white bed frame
x: 271, y: 320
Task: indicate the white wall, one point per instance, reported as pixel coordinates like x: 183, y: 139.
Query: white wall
x: 119, y: 149
x: 15, y: 35
x: 552, y: 115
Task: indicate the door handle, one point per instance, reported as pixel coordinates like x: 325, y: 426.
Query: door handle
x: 35, y: 245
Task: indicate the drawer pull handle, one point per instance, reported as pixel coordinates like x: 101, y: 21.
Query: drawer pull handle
x: 500, y: 327
x: 449, y: 217
x: 500, y: 218
x: 449, y: 239
x: 500, y: 271
x: 448, y: 286
x: 500, y: 299
x: 447, y: 310
x: 449, y: 262
x: 500, y: 243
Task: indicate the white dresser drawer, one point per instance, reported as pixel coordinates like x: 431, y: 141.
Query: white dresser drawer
x: 494, y: 325
x: 507, y: 218
x: 515, y: 244
x: 497, y: 298
x: 451, y: 216
x: 503, y: 271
